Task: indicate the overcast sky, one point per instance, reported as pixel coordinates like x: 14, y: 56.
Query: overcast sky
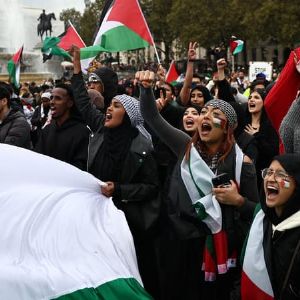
x: 55, y: 5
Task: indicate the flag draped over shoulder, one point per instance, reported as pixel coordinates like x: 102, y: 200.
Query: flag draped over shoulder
x: 256, y: 284
x: 13, y: 67
x: 282, y: 94
x: 59, y: 237
x: 172, y: 74
x: 197, y: 178
x: 123, y: 28
x: 236, y: 46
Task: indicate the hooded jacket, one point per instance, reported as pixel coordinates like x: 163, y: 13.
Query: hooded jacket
x: 68, y: 142
x: 280, y: 245
x: 109, y: 79
x: 15, y: 130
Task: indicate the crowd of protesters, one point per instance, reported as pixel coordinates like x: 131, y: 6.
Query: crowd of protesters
x: 157, y: 148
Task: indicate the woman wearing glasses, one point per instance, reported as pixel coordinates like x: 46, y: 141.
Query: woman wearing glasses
x: 271, y: 268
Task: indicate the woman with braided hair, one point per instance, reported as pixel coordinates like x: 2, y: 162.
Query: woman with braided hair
x: 207, y: 224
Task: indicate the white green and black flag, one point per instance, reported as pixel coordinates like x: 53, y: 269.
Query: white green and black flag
x: 60, y: 238
x: 123, y: 28
x: 14, y: 66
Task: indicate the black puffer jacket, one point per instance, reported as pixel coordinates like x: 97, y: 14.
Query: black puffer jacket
x: 15, y: 130
x: 68, y: 142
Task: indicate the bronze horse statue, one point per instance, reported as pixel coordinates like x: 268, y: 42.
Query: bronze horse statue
x: 45, y: 25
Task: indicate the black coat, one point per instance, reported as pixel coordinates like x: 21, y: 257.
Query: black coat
x: 137, y: 192
x: 68, y: 142
x: 15, y: 130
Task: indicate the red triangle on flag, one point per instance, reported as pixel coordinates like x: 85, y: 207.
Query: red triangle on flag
x: 18, y: 56
x: 130, y: 14
x: 172, y: 74
x: 69, y: 38
x: 233, y: 45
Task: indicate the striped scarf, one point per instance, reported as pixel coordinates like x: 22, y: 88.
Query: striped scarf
x: 197, y: 177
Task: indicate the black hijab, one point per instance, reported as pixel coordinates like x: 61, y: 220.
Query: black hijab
x: 291, y: 163
x: 110, y: 159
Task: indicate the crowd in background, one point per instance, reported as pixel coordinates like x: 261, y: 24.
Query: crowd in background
x: 156, y: 147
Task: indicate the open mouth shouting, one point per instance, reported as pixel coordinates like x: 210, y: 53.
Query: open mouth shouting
x: 108, y: 117
x: 189, y: 122
x: 272, y: 192
x: 206, y: 128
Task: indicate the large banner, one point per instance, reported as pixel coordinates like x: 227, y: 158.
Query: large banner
x: 58, y: 234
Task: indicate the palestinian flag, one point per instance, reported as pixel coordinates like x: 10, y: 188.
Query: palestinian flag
x: 172, y: 74
x: 236, y: 46
x: 70, y: 37
x: 283, y: 93
x: 197, y: 178
x: 60, y: 238
x: 61, y: 44
x: 13, y: 68
x: 123, y: 28
x: 50, y: 48
x: 256, y: 284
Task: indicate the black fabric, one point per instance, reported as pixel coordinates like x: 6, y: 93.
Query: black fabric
x: 68, y: 142
x: 110, y: 158
x: 15, y: 130
x: 110, y: 82
x: 279, y: 246
x: 291, y: 163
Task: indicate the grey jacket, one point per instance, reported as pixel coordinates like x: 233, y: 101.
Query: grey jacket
x: 290, y: 129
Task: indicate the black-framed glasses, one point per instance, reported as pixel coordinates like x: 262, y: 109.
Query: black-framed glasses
x: 278, y: 175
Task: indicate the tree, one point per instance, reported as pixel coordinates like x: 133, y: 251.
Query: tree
x: 71, y: 15
x: 156, y: 13
x: 89, y: 23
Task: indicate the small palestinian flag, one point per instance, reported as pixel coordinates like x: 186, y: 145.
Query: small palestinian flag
x: 236, y: 46
x: 13, y: 67
x: 50, y: 48
x: 61, y: 44
x: 123, y: 28
x: 172, y: 74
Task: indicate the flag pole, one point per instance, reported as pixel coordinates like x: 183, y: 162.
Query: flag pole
x: 156, y: 53
x: 70, y: 23
x: 232, y: 62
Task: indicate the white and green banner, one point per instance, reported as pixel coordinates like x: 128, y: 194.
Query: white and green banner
x: 59, y: 237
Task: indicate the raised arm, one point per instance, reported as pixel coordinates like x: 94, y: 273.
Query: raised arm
x: 185, y: 91
x: 175, y: 139
x: 92, y: 116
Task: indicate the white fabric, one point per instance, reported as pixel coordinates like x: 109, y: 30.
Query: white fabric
x: 254, y: 263
x: 58, y: 234
x: 198, y: 172
x: 291, y: 222
x: 202, y: 175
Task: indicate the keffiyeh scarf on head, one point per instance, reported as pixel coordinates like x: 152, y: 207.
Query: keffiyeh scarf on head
x: 132, y: 108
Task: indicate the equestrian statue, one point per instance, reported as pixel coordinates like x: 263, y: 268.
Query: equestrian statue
x: 45, y: 25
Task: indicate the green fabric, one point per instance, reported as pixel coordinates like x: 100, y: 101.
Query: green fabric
x: 11, y: 68
x: 50, y: 48
x: 119, y: 289
x: 120, y: 38
x: 200, y: 210
x: 257, y: 209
